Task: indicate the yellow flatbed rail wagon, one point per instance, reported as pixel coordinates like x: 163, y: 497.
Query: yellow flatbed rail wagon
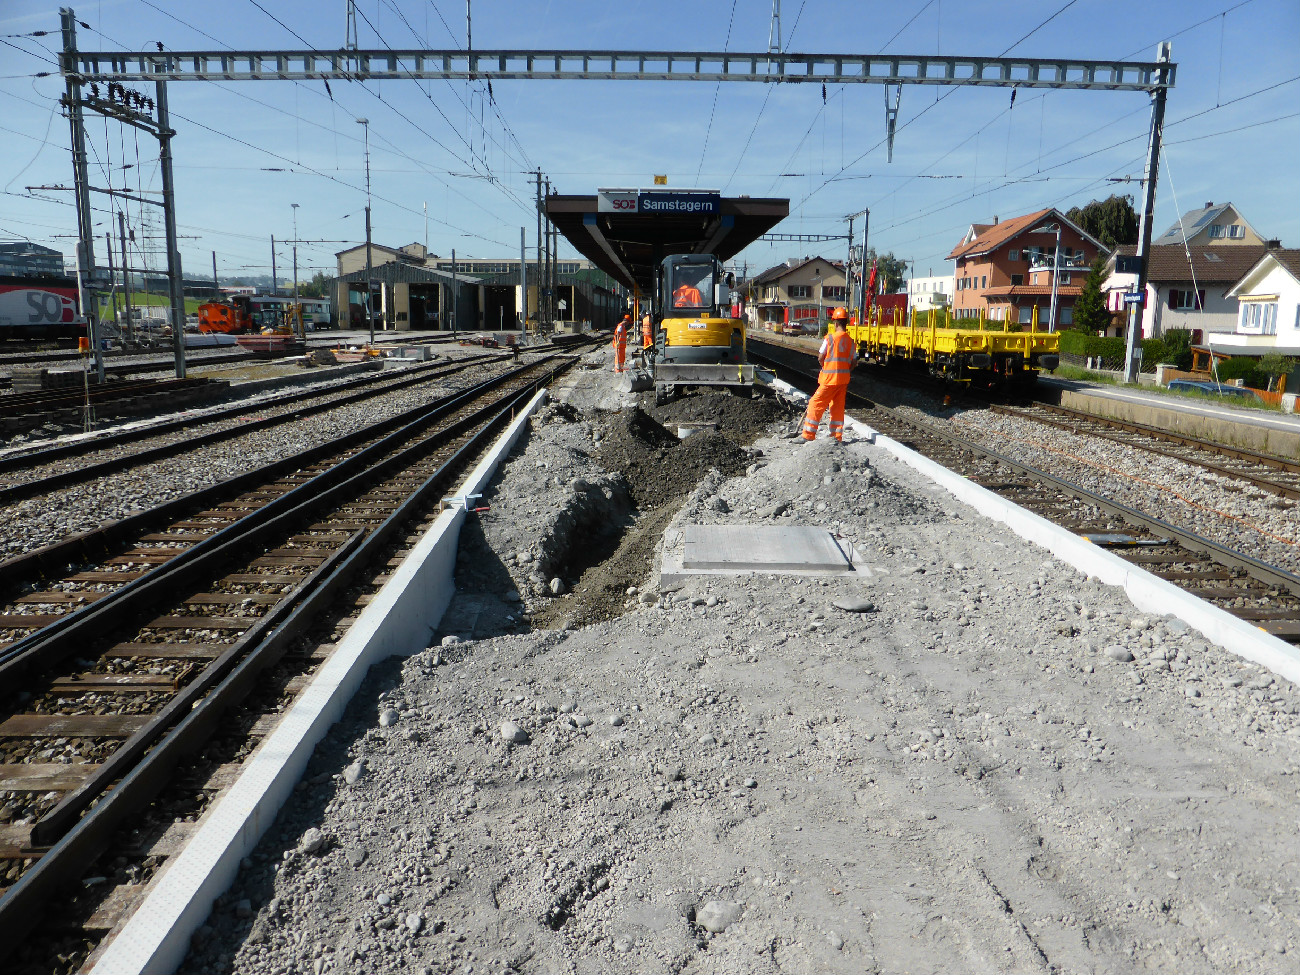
x: 990, y: 356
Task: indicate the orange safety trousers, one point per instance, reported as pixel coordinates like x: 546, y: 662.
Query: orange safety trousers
x: 620, y: 348
x: 826, y: 396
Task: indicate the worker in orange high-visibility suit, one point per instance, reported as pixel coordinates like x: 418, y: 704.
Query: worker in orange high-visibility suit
x: 836, y: 357
x: 620, y: 343
x: 647, y: 331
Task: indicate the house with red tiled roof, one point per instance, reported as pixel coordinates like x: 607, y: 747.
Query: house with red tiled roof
x: 1004, y: 269
x: 801, y: 290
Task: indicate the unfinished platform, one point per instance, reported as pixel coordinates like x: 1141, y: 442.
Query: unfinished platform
x: 742, y: 549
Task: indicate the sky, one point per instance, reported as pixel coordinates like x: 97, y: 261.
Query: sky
x: 245, y: 152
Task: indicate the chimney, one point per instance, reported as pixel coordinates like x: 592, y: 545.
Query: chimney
x: 1273, y: 244
x: 995, y: 219
x: 1209, y: 204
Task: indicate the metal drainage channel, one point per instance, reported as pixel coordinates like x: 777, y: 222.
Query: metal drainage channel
x: 1264, y: 595
x: 26, y: 489
x: 379, y: 495
x: 1276, y: 475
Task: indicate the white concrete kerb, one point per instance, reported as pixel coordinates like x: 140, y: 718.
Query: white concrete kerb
x: 1148, y: 592
x: 399, y: 620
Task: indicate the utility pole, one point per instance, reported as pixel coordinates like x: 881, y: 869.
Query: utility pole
x: 370, y: 315
x: 455, y: 289
x: 174, y: 272
x: 297, y: 314
x: 523, y: 279
x: 85, y: 223
x: 546, y: 268
x: 275, y: 281
x: 538, y: 174
x: 216, y: 285
x: 852, y: 293
x: 1148, y: 211
x: 126, y: 274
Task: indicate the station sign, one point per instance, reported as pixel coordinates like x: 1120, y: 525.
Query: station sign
x: 659, y: 202
x: 1133, y: 297
x: 674, y: 203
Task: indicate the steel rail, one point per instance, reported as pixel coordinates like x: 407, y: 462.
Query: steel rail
x: 26, y: 489
x: 1264, y: 572
x: 21, y: 904
x: 71, y: 631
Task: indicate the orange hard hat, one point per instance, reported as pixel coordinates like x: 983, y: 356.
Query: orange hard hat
x: 838, y: 313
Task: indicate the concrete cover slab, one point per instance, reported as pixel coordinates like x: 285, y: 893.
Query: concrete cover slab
x: 755, y: 548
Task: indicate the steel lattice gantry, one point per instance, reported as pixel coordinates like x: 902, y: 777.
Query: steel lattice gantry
x: 560, y: 65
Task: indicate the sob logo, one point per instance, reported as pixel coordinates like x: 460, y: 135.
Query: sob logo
x: 628, y: 203
x: 32, y: 307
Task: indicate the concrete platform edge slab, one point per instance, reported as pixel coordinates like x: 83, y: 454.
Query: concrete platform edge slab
x: 1147, y: 592
x: 399, y: 620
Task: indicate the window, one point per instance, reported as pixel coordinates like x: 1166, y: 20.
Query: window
x: 800, y: 290
x: 1067, y: 315
x: 834, y: 292
x: 1065, y: 279
x: 692, y: 286
x: 1216, y: 230
x: 1259, y: 316
x: 1013, y: 255
x: 1186, y: 299
x: 984, y: 281
x: 1017, y: 280
x: 1026, y: 314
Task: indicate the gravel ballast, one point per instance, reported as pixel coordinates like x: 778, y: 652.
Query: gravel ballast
x: 977, y: 760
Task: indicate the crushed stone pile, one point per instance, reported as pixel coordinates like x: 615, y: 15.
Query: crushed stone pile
x: 740, y: 418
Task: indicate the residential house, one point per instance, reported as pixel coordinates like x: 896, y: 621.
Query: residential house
x: 1182, y: 291
x: 1210, y: 226
x: 1268, y: 298
x: 930, y: 292
x: 1004, y: 268
x: 798, y: 290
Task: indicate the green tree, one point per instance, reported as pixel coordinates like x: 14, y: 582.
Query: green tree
x: 1090, y: 312
x: 1112, y: 220
x: 317, y: 287
x: 1273, y: 365
x: 890, y: 271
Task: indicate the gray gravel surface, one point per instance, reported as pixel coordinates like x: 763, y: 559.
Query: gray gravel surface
x: 1226, y: 510
x: 999, y: 767
x: 40, y: 521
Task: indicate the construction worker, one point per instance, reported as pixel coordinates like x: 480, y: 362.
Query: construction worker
x: 836, y: 357
x: 620, y: 342
x: 647, y: 331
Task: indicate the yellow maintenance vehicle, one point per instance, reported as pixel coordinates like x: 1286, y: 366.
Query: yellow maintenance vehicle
x: 699, y: 340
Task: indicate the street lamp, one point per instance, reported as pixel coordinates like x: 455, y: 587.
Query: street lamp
x: 370, y: 317
x: 296, y: 312
x: 1048, y: 228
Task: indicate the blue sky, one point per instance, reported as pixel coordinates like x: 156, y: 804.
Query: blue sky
x: 961, y: 155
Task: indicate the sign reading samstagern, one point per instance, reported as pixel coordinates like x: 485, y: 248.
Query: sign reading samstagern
x: 679, y: 203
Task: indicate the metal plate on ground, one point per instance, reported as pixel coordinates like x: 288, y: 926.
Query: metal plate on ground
x: 755, y: 548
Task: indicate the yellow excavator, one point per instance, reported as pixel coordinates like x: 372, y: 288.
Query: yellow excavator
x: 698, y: 342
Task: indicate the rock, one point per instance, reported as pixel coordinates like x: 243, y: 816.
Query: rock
x: 854, y: 604
x: 383, y: 900
x: 750, y: 784
x: 244, y: 908
x: 707, y: 740
x: 512, y: 733
x: 1191, y: 691
x: 352, y: 774
x: 312, y: 841
x: 568, y: 707
x: 413, y: 923
x: 557, y: 587
x: 450, y: 640
x: 649, y: 597
x: 388, y: 718
x: 622, y: 945
x: 836, y: 941
x: 616, y: 720
x: 582, y: 721
x: 717, y: 916
x: 1116, y: 652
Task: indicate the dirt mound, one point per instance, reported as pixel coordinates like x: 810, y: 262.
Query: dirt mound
x: 657, y: 465
x: 741, y: 418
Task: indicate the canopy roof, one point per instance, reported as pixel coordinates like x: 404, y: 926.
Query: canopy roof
x: 628, y: 246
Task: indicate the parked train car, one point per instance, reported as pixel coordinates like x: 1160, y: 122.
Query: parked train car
x: 989, y: 357
x: 39, y: 307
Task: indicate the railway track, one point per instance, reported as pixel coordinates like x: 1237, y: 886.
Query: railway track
x: 120, y: 663
x: 47, y: 469
x: 1264, y: 595
x: 1277, y: 475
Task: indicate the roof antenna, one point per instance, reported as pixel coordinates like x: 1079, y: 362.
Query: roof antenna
x: 891, y: 117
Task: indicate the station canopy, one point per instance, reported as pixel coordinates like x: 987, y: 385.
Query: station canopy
x: 628, y: 232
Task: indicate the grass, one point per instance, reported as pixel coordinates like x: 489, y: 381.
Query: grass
x: 1085, y: 375
x: 141, y: 299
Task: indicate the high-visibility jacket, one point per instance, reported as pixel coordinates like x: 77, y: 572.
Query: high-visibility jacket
x: 647, y: 333
x: 620, y: 335
x: 836, y: 357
